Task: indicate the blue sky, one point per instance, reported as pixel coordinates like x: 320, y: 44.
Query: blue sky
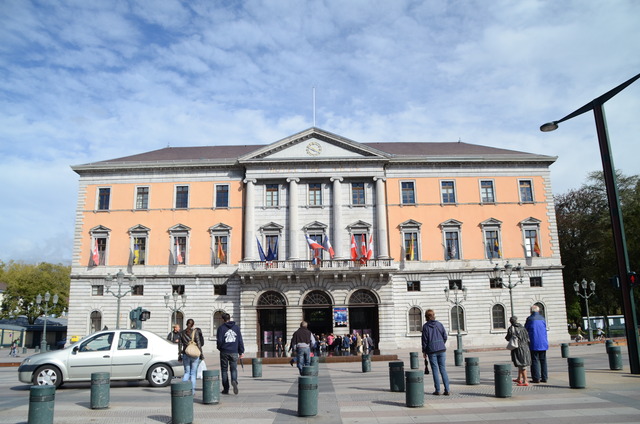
x: 89, y: 80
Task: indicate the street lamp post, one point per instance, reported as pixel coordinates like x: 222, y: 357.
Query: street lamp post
x: 622, y: 257
x: 586, y: 297
x: 175, y: 309
x: 119, y: 280
x: 457, y: 302
x: 508, y: 269
x: 47, y: 297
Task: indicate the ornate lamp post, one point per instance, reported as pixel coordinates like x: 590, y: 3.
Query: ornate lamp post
x: 508, y: 269
x: 177, y: 298
x: 47, y: 297
x: 120, y: 280
x: 619, y: 240
x: 457, y: 302
x: 586, y: 297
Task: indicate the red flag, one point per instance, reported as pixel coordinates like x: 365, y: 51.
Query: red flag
x: 313, y: 244
x: 536, y: 246
x: 363, y: 246
x: 221, y: 256
x: 354, y: 249
x: 370, y: 248
x: 327, y: 246
x: 94, y: 253
x: 178, y: 253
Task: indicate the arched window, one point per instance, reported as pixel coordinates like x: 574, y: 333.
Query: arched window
x: 362, y: 296
x: 96, y: 321
x: 457, y: 318
x: 542, y: 309
x: 317, y: 297
x: 217, y: 321
x: 271, y: 298
x: 498, y: 317
x: 178, y: 318
x: 415, y: 320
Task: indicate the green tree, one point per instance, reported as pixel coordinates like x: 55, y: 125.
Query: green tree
x: 26, y: 281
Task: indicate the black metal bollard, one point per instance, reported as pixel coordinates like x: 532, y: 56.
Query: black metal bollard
x: 366, y: 363
x: 100, y: 386
x: 396, y: 376
x: 457, y: 355
x: 211, y: 387
x: 472, y: 371
x: 41, y: 402
x: 502, y: 377
x: 256, y: 367
x: 414, y: 360
x: 608, y: 344
x: 615, y: 358
x: 564, y: 350
x: 181, y: 402
x: 414, y: 394
x: 577, y: 377
x: 307, y: 395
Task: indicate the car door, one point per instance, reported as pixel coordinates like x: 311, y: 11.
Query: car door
x: 92, y: 355
x: 131, y: 356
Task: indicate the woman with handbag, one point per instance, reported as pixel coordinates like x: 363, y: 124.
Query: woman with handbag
x: 518, y: 339
x: 190, y: 352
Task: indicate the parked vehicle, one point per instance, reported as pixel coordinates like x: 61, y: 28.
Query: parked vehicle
x: 125, y: 354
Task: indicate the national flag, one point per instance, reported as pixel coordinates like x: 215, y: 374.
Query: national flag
x: 272, y: 252
x: 411, y: 250
x: 327, y: 246
x: 454, y: 252
x: 363, y: 246
x: 496, y: 248
x: 317, y: 257
x: 179, y: 258
x: 222, y: 257
x: 312, y: 243
x: 95, y: 256
x: 260, y: 251
x: 354, y: 249
x: 536, y: 246
x: 136, y: 254
x: 370, y: 247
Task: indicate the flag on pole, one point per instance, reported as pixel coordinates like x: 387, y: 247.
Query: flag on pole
x: 136, y: 254
x: 496, y: 248
x: 536, y: 246
x: 370, y: 247
x: 260, y: 251
x: 95, y: 256
x: 363, y: 250
x: 272, y: 252
x: 411, y: 250
x: 327, y: 246
x: 179, y: 258
x: 221, y: 255
x: 354, y: 249
x: 312, y: 243
x: 317, y: 256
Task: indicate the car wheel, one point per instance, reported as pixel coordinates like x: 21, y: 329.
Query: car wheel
x: 160, y: 375
x: 47, y: 375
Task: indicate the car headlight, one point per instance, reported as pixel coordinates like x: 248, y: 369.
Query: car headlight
x: 26, y: 361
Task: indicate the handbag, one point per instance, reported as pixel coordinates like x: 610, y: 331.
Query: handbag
x: 192, y: 350
x: 513, y: 343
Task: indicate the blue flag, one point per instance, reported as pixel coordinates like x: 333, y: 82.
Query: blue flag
x: 260, y: 251
x: 272, y: 254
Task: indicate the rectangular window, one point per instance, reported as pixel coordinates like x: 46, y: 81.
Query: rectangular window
x: 271, y: 246
x: 315, y: 194
x: 526, y: 191
x: 408, y: 193
x: 97, y: 290
x: 486, y: 192
x: 492, y: 244
x: 411, y: 247
x: 357, y: 194
x: 137, y: 290
x: 222, y: 196
x: 142, y: 197
x: 179, y: 249
x: 315, y: 254
x: 271, y: 199
x: 139, y: 250
x: 453, y: 284
x: 182, y: 197
x: 495, y: 283
x: 535, y: 281
x: 221, y: 253
x: 177, y: 289
x: 413, y: 286
x: 452, y: 245
x: 220, y: 290
x: 104, y: 195
x: 102, y: 250
x: 531, y: 244
x: 448, y: 192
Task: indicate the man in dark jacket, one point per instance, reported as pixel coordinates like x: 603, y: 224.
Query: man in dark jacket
x: 538, y: 344
x: 302, y: 341
x: 434, y: 337
x: 231, y: 347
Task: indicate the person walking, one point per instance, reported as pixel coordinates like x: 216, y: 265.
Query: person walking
x: 538, y: 345
x: 520, y: 356
x: 301, y: 341
x: 190, y: 362
x: 174, y: 335
x: 229, y: 343
x: 434, y: 337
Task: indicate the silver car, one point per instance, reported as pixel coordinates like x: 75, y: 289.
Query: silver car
x: 124, y: 354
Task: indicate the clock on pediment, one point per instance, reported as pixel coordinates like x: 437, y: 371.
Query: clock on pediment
x: 314, y: 148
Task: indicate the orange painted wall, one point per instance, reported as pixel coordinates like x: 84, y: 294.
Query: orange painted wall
x: 470, y: 212
x: 160, y: 217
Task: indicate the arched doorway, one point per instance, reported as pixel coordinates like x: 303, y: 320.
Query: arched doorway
x: 363, y: 314
x: 317, y: 312
x: 272, y: 322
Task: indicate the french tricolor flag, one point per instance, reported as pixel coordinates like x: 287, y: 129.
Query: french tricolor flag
x: 313, y: 244
x: 327, y: 246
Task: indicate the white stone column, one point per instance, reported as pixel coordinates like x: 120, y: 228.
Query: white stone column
x: 337, y: 235
x: 249, y: 220
x: 381, y: 221
x: 293, y: 218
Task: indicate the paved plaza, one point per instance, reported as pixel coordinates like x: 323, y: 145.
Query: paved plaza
x: 346, y: 395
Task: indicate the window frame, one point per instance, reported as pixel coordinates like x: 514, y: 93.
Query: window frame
x: 417, y: 248
x: 137, y: 290
x: 448, y: 193
x: 490, y: 243
x: 503, y: 317
x: 217, y: 197
x: 220, y: 289
x: 493, y: 192
x: 414, y: 325
x: 269, y: 198
x: 413, y: 286
x: 536, y: 281
x: 355, y: 189
x: 403, y: 191
x: 178, y: 195
x: 530, y: 189
x: 97, y: 290
x: 142, y: 256
x: 314, y: 194
x: 454, y: 328
x: 146, y: 197
x: 100, y: 199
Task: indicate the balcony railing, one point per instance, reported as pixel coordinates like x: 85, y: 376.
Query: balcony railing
x: 307, y: 265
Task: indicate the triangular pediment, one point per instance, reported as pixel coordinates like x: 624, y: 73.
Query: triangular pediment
x: 451, y: 223
x: 100, y: 229
x: 410, y: 223
x: 139, y: 229
x: 314, y: 144
x: 530, y: 221
x: 220, y: 227
x: 315, y: 225
x: 179, y: 228
x: 272, y: 226
x: 358, y: 225
x: 491, y: 222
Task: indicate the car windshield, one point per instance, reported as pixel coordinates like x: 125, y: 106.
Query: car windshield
x: 100, y: 342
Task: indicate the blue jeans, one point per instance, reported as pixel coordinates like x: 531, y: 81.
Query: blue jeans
x: 190, y: 370
x: 438, y: 368
x: 304, y: 357
x: 539, y: 365
x: 228, y: 361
